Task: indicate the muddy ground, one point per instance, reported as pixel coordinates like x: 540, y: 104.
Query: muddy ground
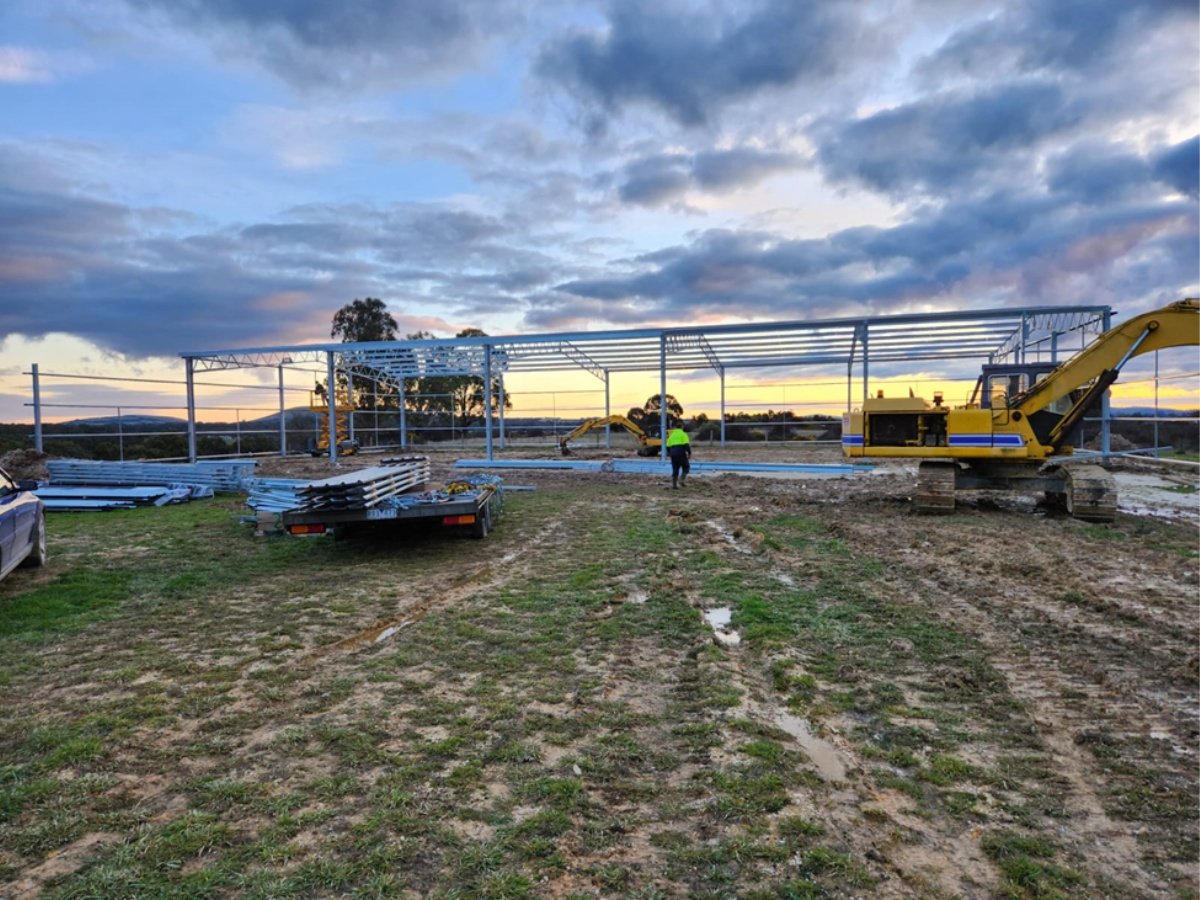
x: 748, y: 687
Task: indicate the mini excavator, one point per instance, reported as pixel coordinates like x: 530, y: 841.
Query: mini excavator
x: 343, y: 407
x: 647, y: 445
x: 1021, y: 424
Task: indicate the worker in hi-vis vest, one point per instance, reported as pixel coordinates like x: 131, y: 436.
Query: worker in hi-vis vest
x: 679, y: 448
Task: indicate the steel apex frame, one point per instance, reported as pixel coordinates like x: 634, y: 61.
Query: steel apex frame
x: 993, y: 334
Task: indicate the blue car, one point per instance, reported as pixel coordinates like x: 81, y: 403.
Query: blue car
x: 22, y: 525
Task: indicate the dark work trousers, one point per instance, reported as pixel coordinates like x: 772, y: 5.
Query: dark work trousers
x: 679, y: 460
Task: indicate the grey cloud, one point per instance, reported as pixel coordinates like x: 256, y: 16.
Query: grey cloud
x: 1001, y: 248
x: 319, y: 44
x: 1179, y: 167
x: 1035, y: 36
x: 1097, y: 174
x: 79, y: 265
x: 689, y: 63
x: 653, y: 180
x: 946, y: 140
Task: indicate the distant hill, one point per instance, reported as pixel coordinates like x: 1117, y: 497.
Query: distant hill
x: 132, y: 419
x: 1148, y: 412
x: 302, y: 417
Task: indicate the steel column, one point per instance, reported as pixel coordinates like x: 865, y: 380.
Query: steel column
x: 866, y: 362
x: 503, y: 403
x: 282, y: 419
x: 607, y: 413
x: 487, y: 400
x: 722, y: 407
x: 850, y: 372
x: 1105, y: 412
x: 1156, y: 403
x: 189, y: 377
x: 37, y: 409
x: 332, y: 408
x: 662, y: 398
x: 403, y: 401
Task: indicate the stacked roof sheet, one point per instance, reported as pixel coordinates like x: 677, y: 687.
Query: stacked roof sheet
x: 364, y: 488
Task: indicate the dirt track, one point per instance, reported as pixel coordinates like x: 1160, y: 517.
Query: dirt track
x: 998, y: 701
x: 1092, y: 627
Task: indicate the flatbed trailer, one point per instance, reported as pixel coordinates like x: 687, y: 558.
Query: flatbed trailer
x: 472, y: 511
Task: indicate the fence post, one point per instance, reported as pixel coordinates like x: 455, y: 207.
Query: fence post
x: 120, y: 437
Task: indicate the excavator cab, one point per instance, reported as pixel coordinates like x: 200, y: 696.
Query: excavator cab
x: 1000, y: 385
x: 1003, y: 387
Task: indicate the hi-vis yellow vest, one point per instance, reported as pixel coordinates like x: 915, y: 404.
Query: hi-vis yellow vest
x: 677, y: 437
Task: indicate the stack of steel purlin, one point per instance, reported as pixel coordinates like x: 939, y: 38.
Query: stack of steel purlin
x: 218, y: 475
x: 104, y: 497
x: 365, y: 488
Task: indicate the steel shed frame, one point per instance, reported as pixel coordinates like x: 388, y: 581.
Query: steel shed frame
x: 994, y: 335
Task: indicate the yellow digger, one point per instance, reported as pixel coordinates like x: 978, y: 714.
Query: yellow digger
x: 647, y: 446
x: 1020, y: 425
x: 343, y: 406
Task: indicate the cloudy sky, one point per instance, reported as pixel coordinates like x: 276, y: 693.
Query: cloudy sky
x: 201, y: 174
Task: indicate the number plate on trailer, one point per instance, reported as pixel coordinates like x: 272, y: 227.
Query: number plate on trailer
x: 385, y: 513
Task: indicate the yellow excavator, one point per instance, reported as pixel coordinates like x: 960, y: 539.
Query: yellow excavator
x: 1021, y: 423
x: 647, y: 446
x: 318, y: 403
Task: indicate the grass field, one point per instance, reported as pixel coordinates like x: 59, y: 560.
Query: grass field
x: 189, y: 710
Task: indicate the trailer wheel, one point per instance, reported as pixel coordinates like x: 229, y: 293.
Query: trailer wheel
x: 480, y: 529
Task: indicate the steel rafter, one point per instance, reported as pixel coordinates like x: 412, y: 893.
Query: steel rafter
x: 679, y: 342
x: 577, y: 356
x: 964, y: 334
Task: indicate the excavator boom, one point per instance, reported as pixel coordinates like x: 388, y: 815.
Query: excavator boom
x: 1177, y: 325
x: 647, y: 445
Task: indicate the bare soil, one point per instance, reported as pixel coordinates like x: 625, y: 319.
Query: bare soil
x: 1000, y: 701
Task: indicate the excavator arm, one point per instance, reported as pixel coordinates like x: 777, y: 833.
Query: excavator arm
x: 587, y: 425
x: 1099, y: 364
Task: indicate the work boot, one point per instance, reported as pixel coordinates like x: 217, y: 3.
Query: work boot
x: 674, y: 482
x: 683, y: 481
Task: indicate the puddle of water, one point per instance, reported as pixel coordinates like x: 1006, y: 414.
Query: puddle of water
x: 728, y: 536
x: 388, y: 632
x: 824, y: 755
x: 1149, y: 495
x: 719, y: 618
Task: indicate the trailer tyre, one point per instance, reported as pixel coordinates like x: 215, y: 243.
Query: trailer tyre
x: 482, y: 525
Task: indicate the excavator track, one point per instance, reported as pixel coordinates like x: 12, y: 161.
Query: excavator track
x: 1091, y: 493
x: 935, y: 488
